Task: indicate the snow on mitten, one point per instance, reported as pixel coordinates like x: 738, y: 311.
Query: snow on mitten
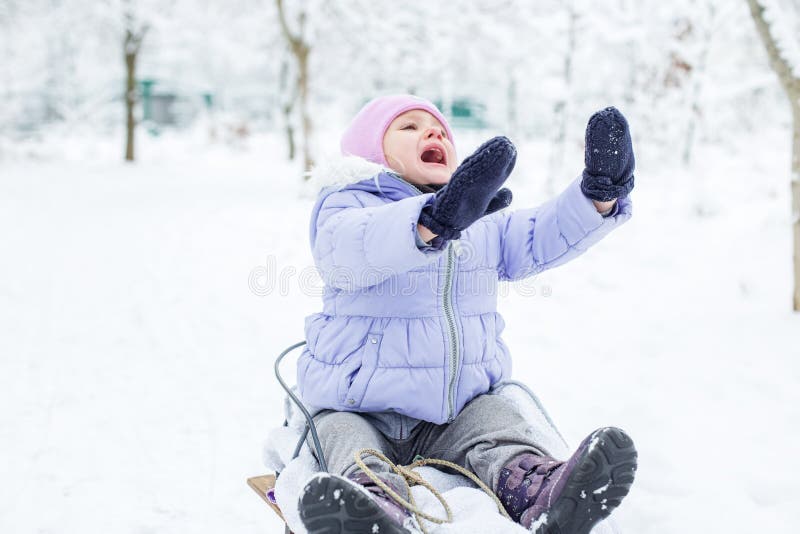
x: 609, y: 157
x: 472, y: 191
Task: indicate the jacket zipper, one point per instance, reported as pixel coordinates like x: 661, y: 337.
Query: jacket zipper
x: 447, y: 302
x: 452, y: 325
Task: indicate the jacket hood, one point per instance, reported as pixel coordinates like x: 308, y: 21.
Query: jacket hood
x: 357, y: 174
x: 343, y: 170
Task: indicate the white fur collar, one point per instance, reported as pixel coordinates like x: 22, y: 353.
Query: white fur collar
x: 343, y: 170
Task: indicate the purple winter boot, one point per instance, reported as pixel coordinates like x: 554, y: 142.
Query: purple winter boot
x: 551, y: 497
x: 333, y: 504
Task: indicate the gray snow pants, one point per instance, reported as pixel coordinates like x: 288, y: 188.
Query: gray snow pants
x: 487, y: 434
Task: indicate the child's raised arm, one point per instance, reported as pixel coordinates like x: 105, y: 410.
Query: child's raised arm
x: 536, y: 239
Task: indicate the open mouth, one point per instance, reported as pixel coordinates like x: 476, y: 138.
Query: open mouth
x: 434, y: 154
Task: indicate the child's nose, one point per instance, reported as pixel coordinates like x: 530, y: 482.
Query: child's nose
x: 431, y: 132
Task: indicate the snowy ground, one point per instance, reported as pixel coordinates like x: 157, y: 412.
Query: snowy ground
x: 136, y: 357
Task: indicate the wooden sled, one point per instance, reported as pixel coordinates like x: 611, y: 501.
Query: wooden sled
x: 264, y: 485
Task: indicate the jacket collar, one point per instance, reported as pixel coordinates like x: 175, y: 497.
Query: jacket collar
x: 357, y: 174
x: 341, y: 171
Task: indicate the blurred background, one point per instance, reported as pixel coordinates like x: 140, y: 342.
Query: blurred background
x: 154, y: 203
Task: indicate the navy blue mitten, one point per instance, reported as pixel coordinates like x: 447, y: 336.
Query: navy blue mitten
x: 473, y: 190
x: 609, y: 157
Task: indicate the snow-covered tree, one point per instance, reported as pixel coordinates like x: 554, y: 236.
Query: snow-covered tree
x: 778, y: 25
x: 294, y: 29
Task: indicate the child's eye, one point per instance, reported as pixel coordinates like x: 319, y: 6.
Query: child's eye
x: 409, y: 127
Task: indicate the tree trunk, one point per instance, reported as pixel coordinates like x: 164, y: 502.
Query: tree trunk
x: 131, y: 51
x: 698, y: 82
x: 287, y: 115
x: 300, y: 49
x: 305, y: 116
x: 561, y: 109
x: 791, y: 85
x: 287, y: 105
x: 796, y: 197
x: 132, y: 45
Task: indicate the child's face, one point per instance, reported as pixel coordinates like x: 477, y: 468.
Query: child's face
x: 416, y: 146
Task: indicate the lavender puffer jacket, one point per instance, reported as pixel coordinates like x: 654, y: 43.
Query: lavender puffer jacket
x: 417, y: 331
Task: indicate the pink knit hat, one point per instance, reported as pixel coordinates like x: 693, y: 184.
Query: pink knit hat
x: 364, y: 136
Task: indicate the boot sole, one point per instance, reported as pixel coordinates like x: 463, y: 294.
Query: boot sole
x: 333, y: 505
x: 596, y: 486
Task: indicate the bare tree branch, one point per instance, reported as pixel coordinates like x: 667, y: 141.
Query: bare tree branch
x: 296, y: 42
x: 779, y: 63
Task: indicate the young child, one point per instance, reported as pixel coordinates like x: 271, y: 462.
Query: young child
x: 408, y: 344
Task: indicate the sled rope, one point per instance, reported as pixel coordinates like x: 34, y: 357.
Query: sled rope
x: 409, y: 475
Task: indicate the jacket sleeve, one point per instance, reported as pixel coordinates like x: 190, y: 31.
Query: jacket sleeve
x: 535, y: 239
x: 356, y: 247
